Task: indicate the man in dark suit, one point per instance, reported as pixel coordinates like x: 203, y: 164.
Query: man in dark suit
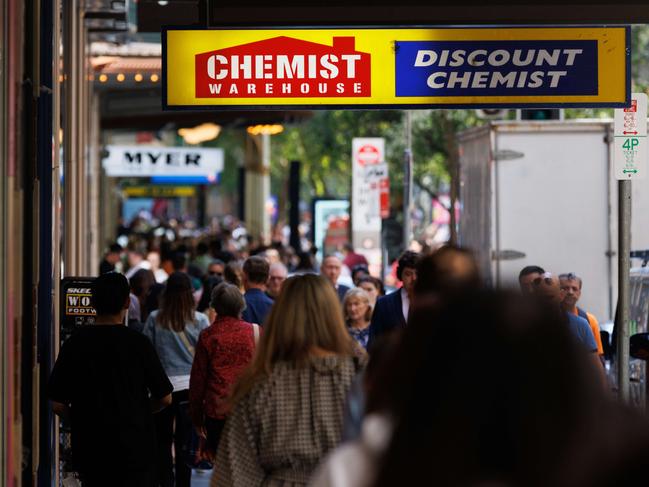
x: 330, y: 269
x: 391, y: 311
x: 255, y: 277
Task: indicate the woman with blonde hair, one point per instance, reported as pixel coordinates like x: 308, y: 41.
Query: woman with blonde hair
x: 288, y: 406
x: 358, y: 313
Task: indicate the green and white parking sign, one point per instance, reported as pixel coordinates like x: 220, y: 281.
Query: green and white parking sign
x: 630, y: 153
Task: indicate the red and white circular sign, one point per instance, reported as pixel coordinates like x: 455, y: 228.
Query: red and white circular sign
x: 368, y: 154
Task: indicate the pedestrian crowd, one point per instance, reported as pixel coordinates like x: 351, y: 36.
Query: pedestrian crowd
x: 280, y: 373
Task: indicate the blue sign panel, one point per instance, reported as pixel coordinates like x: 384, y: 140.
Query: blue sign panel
x: 185, y: 179
x: 496, y: 68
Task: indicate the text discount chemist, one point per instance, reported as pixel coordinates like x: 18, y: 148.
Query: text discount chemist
x: 492, y: 79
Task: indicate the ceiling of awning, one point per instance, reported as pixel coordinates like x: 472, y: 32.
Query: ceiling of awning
x: 153, y: 14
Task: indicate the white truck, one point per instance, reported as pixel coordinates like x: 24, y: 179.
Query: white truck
x: 543, y: 193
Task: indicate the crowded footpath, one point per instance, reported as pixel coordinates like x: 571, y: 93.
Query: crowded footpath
x: 269, y: 369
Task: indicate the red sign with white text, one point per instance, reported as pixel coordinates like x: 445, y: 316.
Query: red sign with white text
x: 284, y: 67
x: 368, y: 154
x: 384, y: 197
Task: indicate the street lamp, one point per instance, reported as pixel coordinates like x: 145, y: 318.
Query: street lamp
x: 265, y: 129
x: 200, y: 133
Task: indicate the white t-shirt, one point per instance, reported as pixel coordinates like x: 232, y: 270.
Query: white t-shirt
x: 179, y: 382
x: 405, y: 304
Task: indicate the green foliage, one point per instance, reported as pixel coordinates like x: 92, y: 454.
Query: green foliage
x: 640, y: 57
x: 323, y: 145
x: 232, y: 141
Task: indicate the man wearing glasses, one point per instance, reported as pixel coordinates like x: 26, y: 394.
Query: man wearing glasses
x: 277, y: 276
x: 571, y: 286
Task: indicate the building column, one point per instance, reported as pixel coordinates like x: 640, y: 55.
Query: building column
x: 75, y: 87
x: 257, y: 174
x: 95, y: 246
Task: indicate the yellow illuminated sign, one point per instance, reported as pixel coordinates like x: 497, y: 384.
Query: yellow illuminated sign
x: 159, y: 191
x: 496, y: 67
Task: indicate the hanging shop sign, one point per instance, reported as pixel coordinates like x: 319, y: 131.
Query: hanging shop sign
x: 372, y: 67
x: 76, y: 305
x: 150, y: 161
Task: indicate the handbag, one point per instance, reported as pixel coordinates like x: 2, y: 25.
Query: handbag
x: 193, y: 450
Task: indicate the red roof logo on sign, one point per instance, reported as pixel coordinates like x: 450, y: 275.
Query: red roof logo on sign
x: 368, y: 154
x: 283, y: 67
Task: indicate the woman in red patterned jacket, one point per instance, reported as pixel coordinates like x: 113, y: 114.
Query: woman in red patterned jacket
x: 223, y: 351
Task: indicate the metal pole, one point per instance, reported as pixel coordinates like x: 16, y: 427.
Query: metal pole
x: 294, y: 202
x: 407, y: 183
x: 265, y: 187
x: 384, y: 250
x: 624, y: 263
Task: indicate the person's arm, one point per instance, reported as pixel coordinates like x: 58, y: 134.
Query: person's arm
x: 155, y: 377
x: 60, y: 383
x: 158, y: 405
x: 596, y: 362
x: 149, y: 328
x: 237, y: 464
x: 593, y: 355
x: 198, y: 383
x: 594, y: 327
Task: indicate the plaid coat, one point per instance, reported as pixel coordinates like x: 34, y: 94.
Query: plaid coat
x: 279, y: 432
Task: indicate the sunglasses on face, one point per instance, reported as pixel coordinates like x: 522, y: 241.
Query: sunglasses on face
x: 570, y: 276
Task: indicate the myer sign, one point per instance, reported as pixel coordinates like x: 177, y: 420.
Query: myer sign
x: 130, y: 161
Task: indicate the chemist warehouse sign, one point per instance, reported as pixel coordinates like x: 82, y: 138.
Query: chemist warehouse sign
x: 397, y: 67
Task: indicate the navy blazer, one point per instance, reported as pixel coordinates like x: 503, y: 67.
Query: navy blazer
x: 341, y: 290
x: 258, y: 306
x: 387, y: 315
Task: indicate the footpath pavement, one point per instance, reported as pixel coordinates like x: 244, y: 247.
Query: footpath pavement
x: 201, y: 478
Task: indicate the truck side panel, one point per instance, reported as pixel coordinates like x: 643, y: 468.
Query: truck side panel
x: 476, y: 193
x: 553, y: 207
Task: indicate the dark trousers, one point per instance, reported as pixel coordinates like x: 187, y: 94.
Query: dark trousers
x: 213, y: 428
x: 106, y: 478
x: 173, y: 428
